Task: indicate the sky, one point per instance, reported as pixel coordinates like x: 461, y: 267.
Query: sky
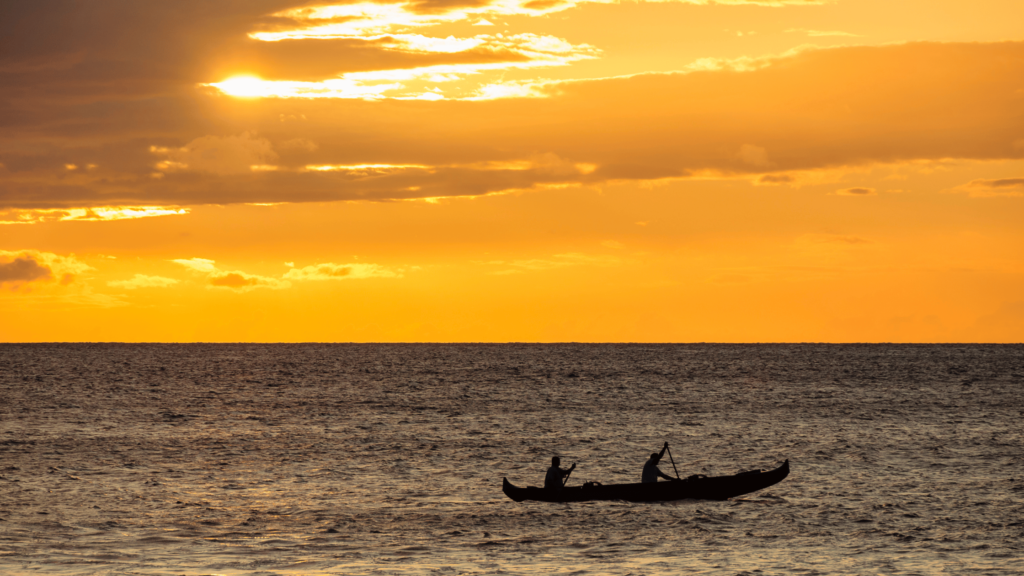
x: 512, y: 171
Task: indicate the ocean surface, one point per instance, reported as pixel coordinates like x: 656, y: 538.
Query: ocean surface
x: 388, y: 459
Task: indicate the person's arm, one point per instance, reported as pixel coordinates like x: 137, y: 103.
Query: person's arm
x: 569, y: 471
x: 665, y: 476
x: 663, y: 449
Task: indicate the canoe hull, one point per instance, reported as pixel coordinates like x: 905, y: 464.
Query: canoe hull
x: 707, y: 488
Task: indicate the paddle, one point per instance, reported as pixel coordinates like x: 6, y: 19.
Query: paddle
x: 570, y: 474
x: 672, y: 460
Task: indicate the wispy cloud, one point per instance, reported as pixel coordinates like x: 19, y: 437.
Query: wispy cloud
x: 505, y: 52
x: 369, y: 19
x: 217, y: 155
x: 366, y: 169
x: 399, y: 28
x: 197, y: 264
x: 856, y: 192
x: 244, y: 282
x: 994, y: 188
x: 331, y: 271
x: 775, y: 179
x: 230, y: 279
x: 94, y: 214
x: 143, y: 281
x: 554, y: 262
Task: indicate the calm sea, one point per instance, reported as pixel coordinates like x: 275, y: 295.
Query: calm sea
x: 388, y: 459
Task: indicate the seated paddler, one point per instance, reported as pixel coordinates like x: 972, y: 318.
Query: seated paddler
x: 553, y: 479
x: 651, y: 472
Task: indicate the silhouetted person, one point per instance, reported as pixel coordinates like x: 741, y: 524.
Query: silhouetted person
x: 651, y: 471
x: 553, y: 480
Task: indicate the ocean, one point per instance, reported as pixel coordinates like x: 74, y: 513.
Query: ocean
x: 388, y: 459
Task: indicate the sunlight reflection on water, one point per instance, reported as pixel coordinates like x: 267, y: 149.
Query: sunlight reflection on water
x: 352, y: 459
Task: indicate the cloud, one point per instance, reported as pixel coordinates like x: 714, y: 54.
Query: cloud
x: 760, y: 118
x: 1003, y: 187
x: 244, y: 282
x: 856, y: 192
x: 165, y: 47
x: 403, y: 28
x: 330, y: 271
x: 231, y: 279
x: 299, y: 144
x: 555, y: 262
x: 95, y: 214
x: 143, y: 281
x: 23, y: 269
x: 754, y: 155
x: 505, y: 52
x: 772, y: 179
x: 217, y: 155
x: 1002, y: 183
x: 368, y: 20
x: 198, y: 264
x: 30, y: 266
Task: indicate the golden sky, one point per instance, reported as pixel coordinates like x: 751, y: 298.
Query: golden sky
x: 512, y: 170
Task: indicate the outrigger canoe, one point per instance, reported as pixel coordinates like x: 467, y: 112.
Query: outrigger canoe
x: 695, y: 487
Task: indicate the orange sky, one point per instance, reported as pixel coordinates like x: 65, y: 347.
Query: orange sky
x: 512, y: 170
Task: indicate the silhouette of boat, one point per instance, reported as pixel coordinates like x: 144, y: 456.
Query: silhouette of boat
x: 695, y: 487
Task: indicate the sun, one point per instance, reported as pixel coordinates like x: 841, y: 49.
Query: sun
x: 243, y: 87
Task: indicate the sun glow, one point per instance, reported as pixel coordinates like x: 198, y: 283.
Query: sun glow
x: 392, y: 28
x: 530, y: 51
x: 339, y: 88
x: 244, y: 87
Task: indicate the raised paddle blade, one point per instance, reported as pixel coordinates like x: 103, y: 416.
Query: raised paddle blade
x: 672, y: 460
